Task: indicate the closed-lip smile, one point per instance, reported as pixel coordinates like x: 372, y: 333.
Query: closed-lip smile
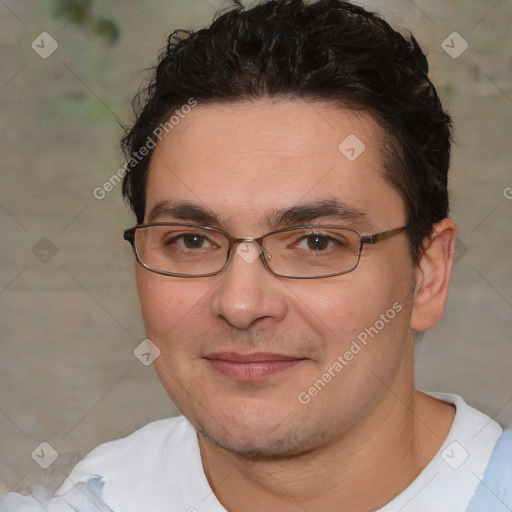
x: 251, y: 366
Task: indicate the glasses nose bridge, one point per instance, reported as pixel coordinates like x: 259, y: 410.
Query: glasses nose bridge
x: 234, y: 241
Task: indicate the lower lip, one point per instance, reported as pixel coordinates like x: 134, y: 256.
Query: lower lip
x: 254, y: 370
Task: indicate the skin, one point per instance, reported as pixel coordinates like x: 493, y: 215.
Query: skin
x: 368, y: 433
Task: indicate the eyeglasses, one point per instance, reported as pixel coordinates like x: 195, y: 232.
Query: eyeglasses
x: 304, y: 252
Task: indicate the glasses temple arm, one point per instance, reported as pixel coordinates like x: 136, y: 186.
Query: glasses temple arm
x: 373, y: 239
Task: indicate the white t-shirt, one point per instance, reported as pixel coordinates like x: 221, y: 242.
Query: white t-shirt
x: 158, y: 468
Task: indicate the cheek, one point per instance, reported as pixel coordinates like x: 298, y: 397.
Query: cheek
x: 367, y: 305
x: 164, y: 302
x: 338, y: 308
x: 170, y: 313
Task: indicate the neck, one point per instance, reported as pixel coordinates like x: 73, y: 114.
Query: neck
x: 363, y: 469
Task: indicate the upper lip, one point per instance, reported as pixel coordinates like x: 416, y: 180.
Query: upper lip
x: 238, y: 357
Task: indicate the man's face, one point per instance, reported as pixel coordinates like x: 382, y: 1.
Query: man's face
x: 245, y: 163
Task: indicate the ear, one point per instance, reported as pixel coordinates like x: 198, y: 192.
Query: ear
x: 433, y: 276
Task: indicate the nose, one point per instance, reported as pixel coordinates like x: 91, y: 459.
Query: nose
x: 247, y: 291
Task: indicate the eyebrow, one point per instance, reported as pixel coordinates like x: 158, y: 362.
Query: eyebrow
x: 185, y: 211
x: 332, y: 209
x: 328, y: 209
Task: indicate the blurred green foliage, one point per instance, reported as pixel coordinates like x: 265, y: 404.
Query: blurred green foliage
x: 79, y: 12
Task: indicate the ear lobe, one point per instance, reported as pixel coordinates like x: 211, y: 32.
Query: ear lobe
x: 433, y: 276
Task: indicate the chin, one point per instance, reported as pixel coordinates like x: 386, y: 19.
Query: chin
x: 270, y: 439
x: 258, y: 450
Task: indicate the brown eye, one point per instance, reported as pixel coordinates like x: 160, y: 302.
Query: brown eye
x: 193, y: 241
x: 318, y: 242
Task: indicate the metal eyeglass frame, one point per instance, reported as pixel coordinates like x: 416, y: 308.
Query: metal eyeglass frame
x: 129, y: 235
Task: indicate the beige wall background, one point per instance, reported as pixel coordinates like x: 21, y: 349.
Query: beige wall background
x: 68, y: 307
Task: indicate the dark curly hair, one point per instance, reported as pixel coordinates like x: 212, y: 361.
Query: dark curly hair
x: 329, y: 51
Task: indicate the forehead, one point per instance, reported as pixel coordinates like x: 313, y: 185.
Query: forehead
x: 245, y: 161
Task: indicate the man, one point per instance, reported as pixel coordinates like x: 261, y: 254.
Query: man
x: 288, y: 172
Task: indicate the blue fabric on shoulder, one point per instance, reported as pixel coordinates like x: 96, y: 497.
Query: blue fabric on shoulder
x: 494, y: 492
x: 80, y: 498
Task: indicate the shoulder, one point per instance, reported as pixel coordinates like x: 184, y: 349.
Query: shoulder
x: 495, y: 489
x: 500, y: 464
x: 506, y: 438
x: 138, y: 454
